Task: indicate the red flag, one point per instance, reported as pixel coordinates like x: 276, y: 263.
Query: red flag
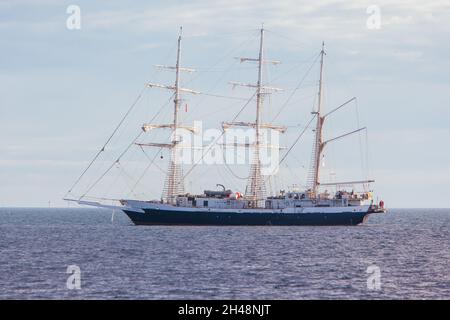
x: 185, y: 108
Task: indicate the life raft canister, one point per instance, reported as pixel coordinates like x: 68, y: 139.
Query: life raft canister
x: 235, y: 195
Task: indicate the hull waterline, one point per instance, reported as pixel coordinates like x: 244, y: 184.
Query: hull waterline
x: 163, y: 217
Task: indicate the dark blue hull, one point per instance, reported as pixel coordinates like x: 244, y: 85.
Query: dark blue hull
x: 163, y: 217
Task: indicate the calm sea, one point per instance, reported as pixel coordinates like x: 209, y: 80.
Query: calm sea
x: 404, y: 254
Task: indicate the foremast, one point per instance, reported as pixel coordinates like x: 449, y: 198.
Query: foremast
x: 174, y: 184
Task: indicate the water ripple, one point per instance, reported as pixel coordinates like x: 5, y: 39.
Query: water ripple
x: 121, y: 261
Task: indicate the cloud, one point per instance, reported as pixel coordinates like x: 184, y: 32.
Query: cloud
x: 387, y: 67
x: 224, y: 15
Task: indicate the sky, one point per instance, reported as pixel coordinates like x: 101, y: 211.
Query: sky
x: 63, y: 90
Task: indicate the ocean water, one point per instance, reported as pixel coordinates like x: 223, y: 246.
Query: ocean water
x: 404, y: 254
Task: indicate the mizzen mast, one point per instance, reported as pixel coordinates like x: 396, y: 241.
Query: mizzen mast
x: 318, y: 141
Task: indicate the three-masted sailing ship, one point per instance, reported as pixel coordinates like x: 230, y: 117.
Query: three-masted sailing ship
x: 225, y: 207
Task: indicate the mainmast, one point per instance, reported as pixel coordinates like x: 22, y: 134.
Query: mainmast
x: 256, y: 190
x: 318, y: 142
x: 174, y: 184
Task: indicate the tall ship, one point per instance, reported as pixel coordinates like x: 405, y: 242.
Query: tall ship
x: 313, y: 206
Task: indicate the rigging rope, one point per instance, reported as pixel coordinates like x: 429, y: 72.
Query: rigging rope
x: 107, y: 141
x: 112, y: 166
x: 248, y: 101
x: 221, y: 96
x: 191, y: 169
x: 127, y: 175
x: 295, y: 90
x: 217, y: 139
x: 296, y: 140
x: 125, y: 151
x: 146, y: 168
x: 229, y: 52
x: 231, y: 171
x: 294, y: 67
